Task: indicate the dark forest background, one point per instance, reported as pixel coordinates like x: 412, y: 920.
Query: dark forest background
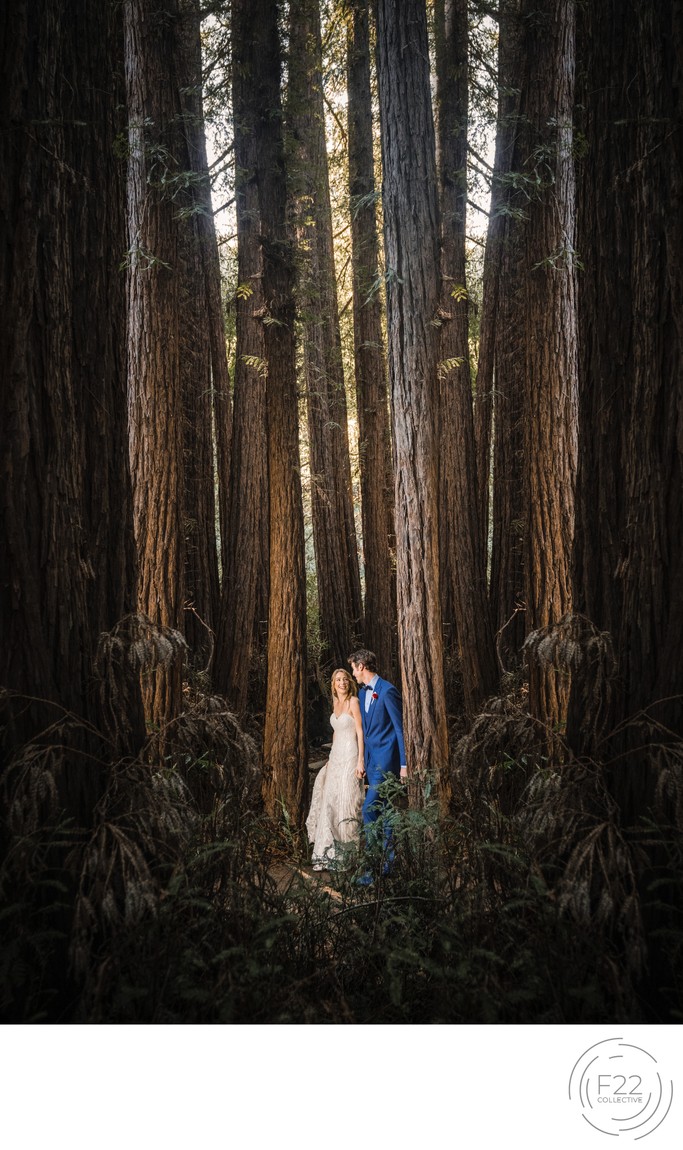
x: 395, y: 362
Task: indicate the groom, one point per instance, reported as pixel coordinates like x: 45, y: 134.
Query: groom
x: 380, y: 708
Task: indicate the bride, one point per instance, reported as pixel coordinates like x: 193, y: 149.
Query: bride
x: 335, y: 815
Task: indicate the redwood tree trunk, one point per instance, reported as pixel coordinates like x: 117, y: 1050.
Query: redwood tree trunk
x: 628, y: 563
x: 201, y: 592
x: 508, y: 128
x: 154, y: 391
x: 334, y: 532
x: 629, y: 531
x: 550, y: 337
x: 411, y: 241
x: 463, y: 570
x: 67, y: 562
x: 501, y: 373
x: 284, y: 743
x: 215, y: 320
x: 376, y: 476
x: 245, y: 586
x: 509, y: 509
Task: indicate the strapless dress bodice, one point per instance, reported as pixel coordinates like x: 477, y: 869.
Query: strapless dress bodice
x: 338, y: 720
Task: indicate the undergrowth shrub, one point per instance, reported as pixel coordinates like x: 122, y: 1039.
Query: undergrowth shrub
x: 240, y: 936
x: 530, y: 902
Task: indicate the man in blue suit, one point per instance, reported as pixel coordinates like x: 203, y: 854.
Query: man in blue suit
x: 385, y: 755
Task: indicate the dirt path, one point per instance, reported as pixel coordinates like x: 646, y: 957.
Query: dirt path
x: 286, y: 875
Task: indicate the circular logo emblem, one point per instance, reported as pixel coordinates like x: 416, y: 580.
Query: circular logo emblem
x: 620, y: 1089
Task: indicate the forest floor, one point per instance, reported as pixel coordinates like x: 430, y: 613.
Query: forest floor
x: 286, y: 876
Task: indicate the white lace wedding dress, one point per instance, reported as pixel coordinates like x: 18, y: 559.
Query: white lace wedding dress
x: 334, y: 819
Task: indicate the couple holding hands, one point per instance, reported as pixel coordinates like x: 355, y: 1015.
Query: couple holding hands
x: 367, y: 742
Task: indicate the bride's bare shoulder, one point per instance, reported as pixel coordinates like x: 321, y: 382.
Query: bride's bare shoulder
x: 354, y: 704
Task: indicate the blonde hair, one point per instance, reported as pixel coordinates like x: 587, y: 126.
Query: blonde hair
x: 351, y: 683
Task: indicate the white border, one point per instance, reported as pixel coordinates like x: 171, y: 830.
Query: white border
x: 317, y: 1087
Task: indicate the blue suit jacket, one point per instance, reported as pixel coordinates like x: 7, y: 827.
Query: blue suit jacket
x: 383, y: 730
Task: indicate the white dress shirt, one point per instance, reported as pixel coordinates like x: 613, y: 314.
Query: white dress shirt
x: 368, y: 693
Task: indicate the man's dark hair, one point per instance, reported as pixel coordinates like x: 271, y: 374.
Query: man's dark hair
x: 367, y: 658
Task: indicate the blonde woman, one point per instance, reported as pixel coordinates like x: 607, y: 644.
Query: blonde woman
x: 334, y: 819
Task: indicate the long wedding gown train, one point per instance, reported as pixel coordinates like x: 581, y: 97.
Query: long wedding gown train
x: 334, y: 819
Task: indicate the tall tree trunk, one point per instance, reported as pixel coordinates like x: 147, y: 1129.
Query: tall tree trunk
x: 501, y: 373
x: 334, y: 532
x: 284, y: 743
x: 508, y: 127
x: 67, y: 560
x: 550, y: 337
x: 376, y: 477
x: 509, y: 510
x: 629, y: 532
x: 201, y: 559
x: 411, y: 241
x: 245, y: 586
x: 155, y: 399
x: 220, y: 376
x: 463, y: 570
x: 628, y: 563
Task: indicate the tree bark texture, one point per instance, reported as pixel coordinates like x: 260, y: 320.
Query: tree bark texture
x: 334, y: 531
x: 201, y: 591
x: 220, y: 376
x: 67, y: 561
x: 550, y: 336
x: 501, y: 373
x: 376, y: 475
x: 284, y: 742
x: 411, y: 241
x: 508, y: 128
x: 509, y: 507
x: 463, y: 569
x: 629, y: 536
x: 154, y: 389
x: 245, y: 587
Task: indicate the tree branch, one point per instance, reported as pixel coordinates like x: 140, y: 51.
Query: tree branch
x: 477, y: 208
x: 480, y: 8
x: 484, y: 175
x: 481, y: 159
x: 223, y: 156
x: 336, y: 118
x: 227, y: 204
x: 210, y: 9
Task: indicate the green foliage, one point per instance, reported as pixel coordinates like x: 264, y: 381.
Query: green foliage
x: 459, y: 292
x: 470, y: 925
x: 358, y: 203
x: 445, y: 366
x: 34, y: 923
x: 138, y: 256
x: 564, y: 257
x: 121, y: 146
x: 256, y: 363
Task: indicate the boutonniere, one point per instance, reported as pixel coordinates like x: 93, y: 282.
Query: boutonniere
x: 375, y: 695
